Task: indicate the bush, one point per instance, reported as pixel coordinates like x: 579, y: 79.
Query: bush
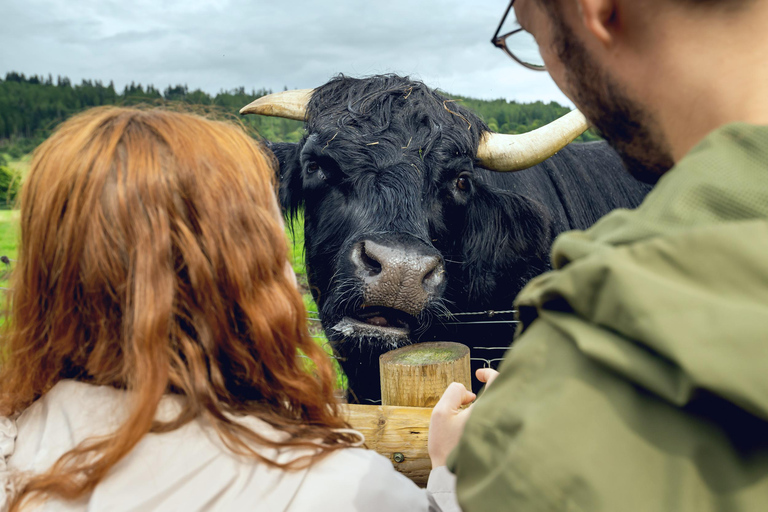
x: 9, y: 186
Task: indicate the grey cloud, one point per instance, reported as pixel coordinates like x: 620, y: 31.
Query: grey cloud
x: 215, y: 45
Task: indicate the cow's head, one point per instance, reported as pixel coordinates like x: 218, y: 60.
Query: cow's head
x: 401, y: 219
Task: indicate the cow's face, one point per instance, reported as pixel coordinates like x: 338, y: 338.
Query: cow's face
x: 401, y: 225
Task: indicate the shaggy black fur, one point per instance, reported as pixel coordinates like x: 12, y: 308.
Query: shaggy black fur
x: 383, y: 155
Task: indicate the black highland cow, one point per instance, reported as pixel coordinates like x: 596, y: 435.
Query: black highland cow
x: 404, y: 227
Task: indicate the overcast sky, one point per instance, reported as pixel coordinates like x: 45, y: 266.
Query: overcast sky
x: 223, y: 44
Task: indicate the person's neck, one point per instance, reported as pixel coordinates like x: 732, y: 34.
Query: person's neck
x: 709, y: 76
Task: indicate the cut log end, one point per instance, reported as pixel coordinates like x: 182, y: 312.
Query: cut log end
x: 426, y: 353
x: 417, y: 375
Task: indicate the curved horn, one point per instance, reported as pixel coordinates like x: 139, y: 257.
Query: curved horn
x: 502, y: 152
x: 287, y: 104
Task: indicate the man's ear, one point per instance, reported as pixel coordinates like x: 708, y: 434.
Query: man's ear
x: 288, y: 175
x: 599, y: 18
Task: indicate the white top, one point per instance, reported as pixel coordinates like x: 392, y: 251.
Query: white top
x: 189, y: 469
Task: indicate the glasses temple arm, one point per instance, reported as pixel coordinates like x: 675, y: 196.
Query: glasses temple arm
x: 498, y: 29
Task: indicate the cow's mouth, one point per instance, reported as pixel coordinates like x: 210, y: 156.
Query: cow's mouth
x: 377, y: 321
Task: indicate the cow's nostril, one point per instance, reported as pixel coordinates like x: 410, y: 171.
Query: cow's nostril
x: 371, y: 264
x: 435, y: 276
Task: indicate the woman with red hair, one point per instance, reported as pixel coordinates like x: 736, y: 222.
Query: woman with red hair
x: 152, y: 355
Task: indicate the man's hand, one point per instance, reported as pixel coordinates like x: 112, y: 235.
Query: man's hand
x: 447, y: 422
x: 448, y: 419
x: 486, y: 375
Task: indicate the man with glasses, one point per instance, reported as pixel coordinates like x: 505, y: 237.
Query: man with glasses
x: 639, y: 380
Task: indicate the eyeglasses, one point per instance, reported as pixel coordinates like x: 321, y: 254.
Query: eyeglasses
x: 517, y: 43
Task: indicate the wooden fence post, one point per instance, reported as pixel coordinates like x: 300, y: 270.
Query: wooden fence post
x: 417, y: 375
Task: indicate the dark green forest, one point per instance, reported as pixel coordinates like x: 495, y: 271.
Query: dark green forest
x: 31, y: 107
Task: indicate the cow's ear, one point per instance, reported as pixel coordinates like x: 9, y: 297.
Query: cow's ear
x: 288, y: 175
x: 506, y: 236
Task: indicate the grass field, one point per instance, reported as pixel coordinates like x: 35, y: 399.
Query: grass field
x: 9, y: 232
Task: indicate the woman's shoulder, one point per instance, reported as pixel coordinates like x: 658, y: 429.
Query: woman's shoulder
x: 355, y: 479
x: 191, y: 464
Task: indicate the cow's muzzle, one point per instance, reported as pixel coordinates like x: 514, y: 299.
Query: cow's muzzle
x: 399, y: 277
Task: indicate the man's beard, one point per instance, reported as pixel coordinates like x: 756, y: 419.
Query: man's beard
x: 627, y: 126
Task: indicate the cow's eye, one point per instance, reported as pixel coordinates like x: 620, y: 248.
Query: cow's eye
x: 322, y: 168
x: 463, y: 183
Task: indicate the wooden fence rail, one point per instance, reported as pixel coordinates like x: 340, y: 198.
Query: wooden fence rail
x: 412, y: 376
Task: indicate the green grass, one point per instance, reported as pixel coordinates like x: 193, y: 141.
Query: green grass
x: 9, y: 232
x: 295, y: 232
x: 296, y: 255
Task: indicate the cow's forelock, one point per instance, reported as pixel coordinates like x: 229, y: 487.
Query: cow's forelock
x: 413, y: 118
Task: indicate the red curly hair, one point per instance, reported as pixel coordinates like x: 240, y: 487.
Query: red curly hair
x: 152, y: 259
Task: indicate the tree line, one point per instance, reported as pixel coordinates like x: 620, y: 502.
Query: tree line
x: 31, y: 107
x: 504, y: 116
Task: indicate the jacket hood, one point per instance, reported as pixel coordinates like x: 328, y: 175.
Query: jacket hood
x: 678, y: 289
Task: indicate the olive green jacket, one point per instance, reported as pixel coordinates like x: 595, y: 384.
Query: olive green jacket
x: 640, y: 380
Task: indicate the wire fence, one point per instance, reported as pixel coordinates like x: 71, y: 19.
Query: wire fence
x: 485, y: 355
x: 489, y: 357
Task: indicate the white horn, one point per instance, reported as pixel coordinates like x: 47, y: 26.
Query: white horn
x: 502, y: 152
x: 287, y: 104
